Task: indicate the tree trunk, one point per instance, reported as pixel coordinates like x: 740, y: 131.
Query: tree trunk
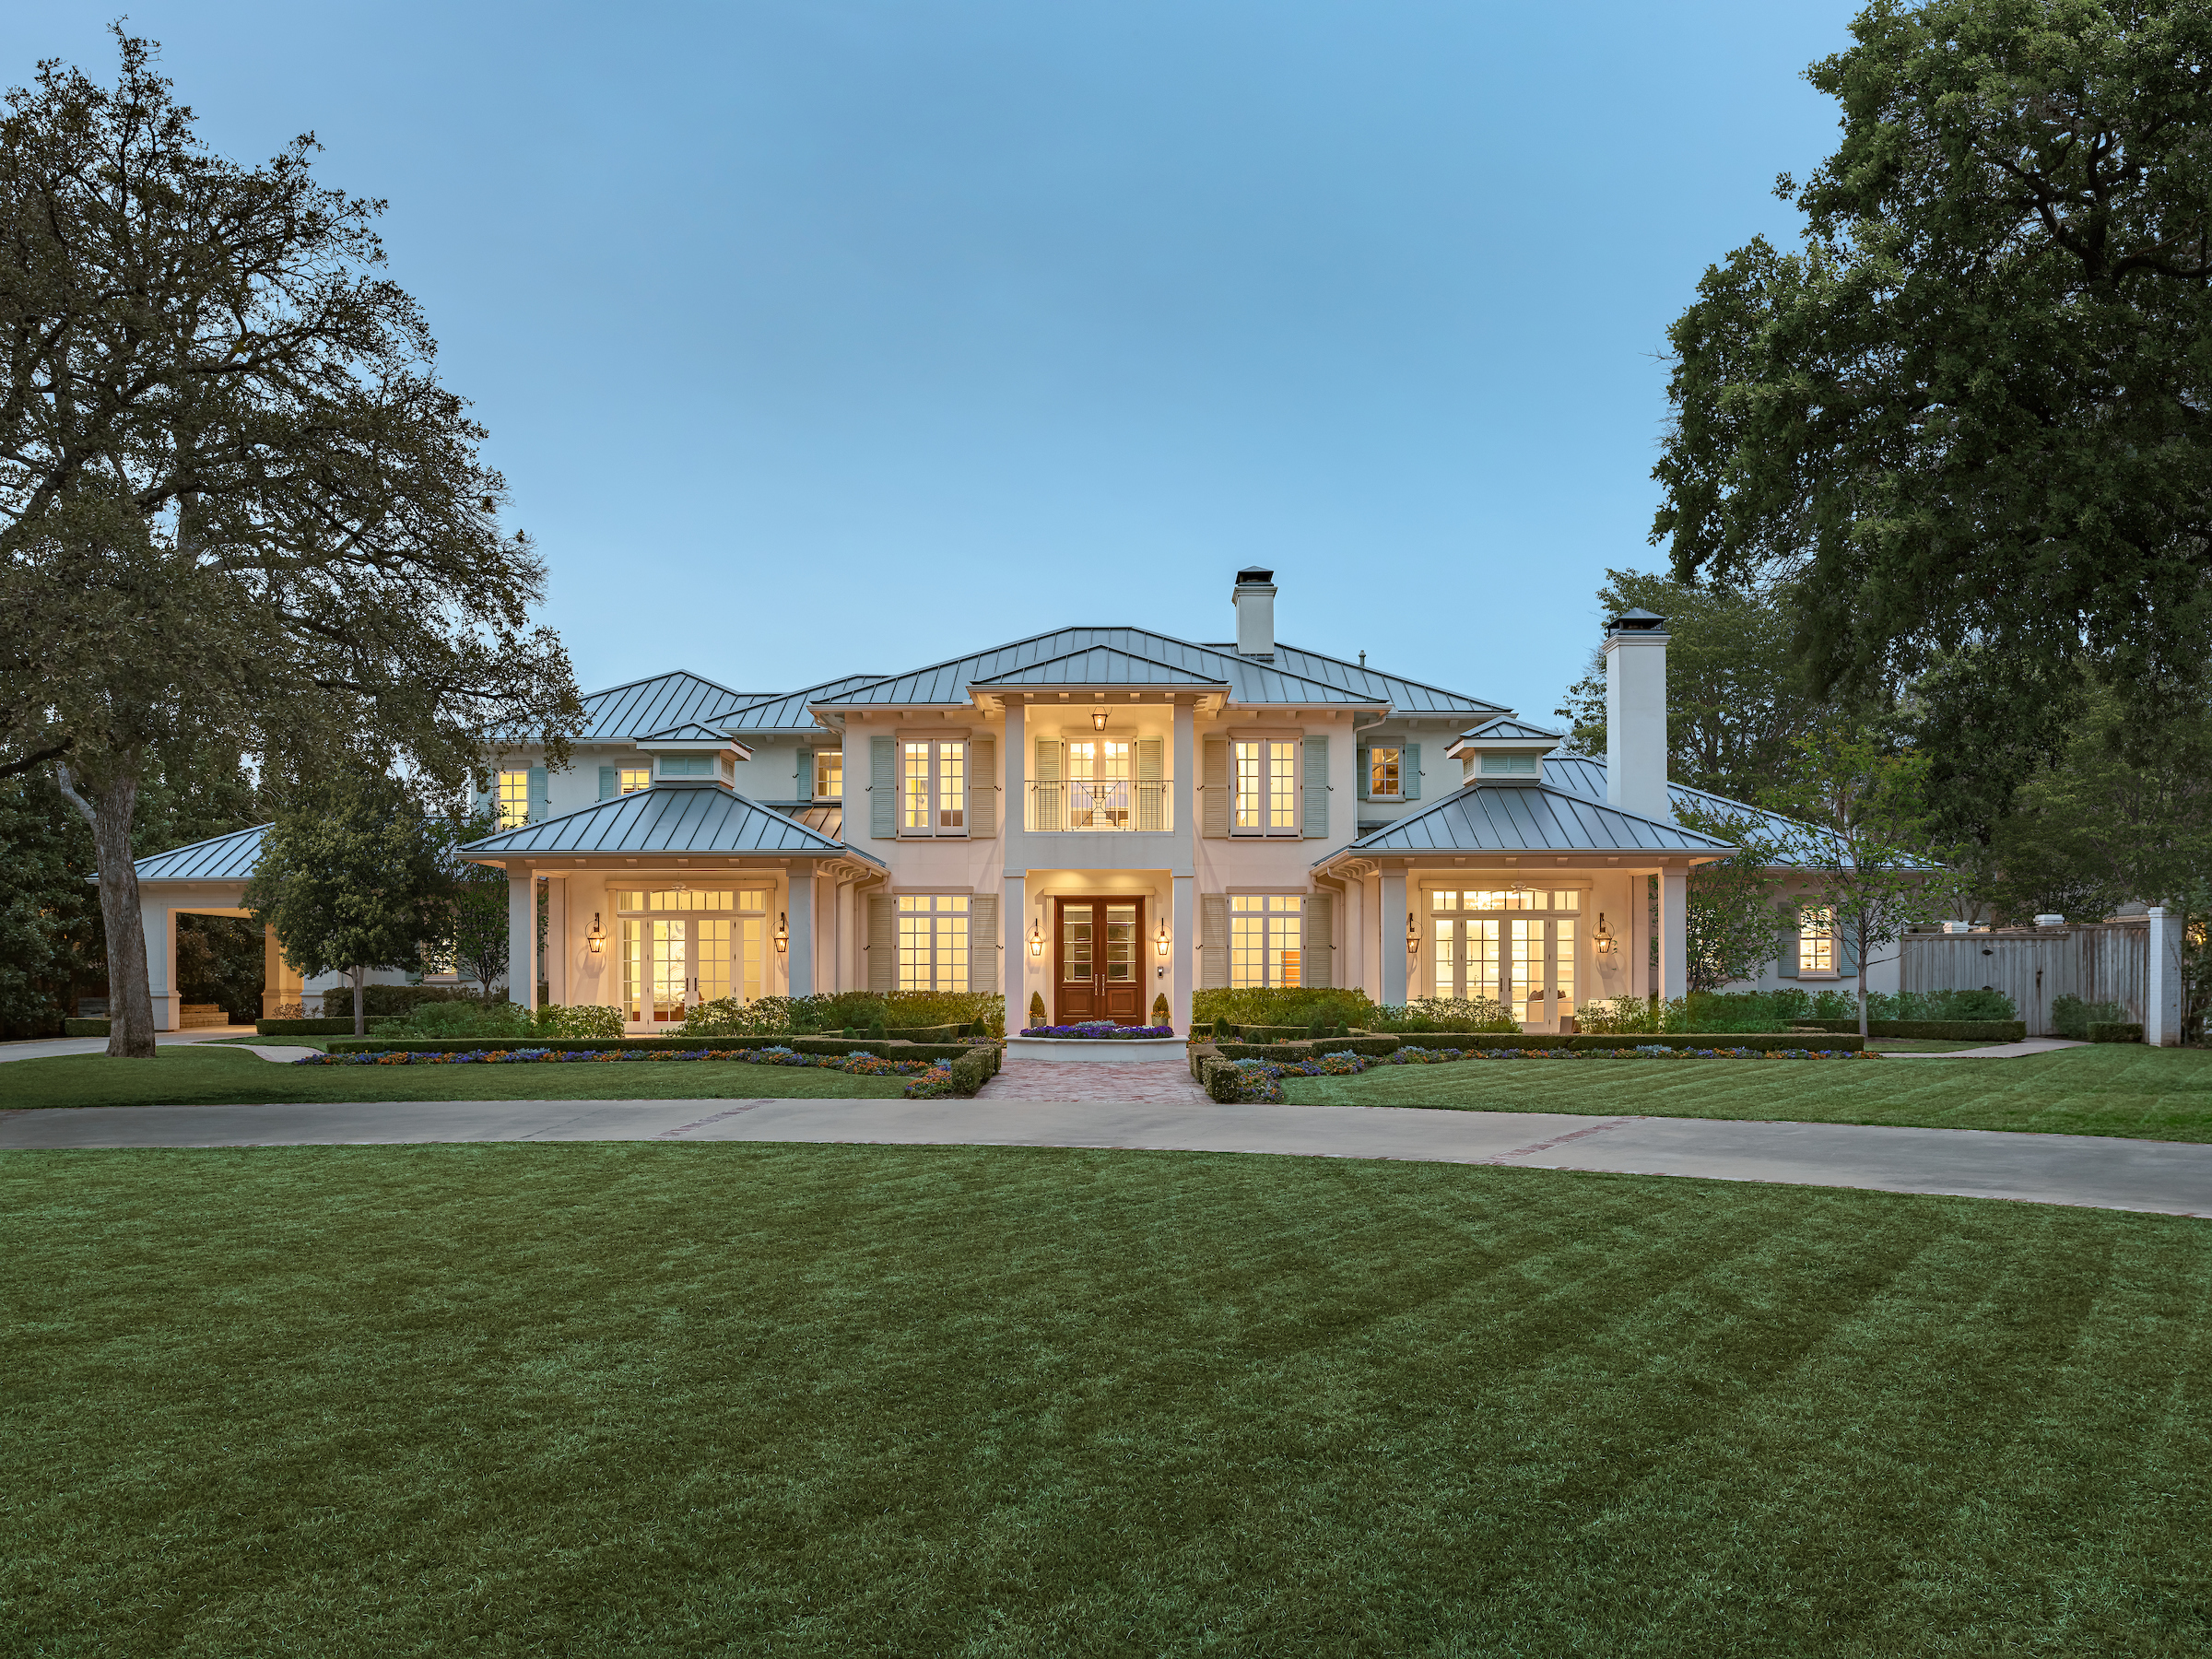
x: 360, y: 1002
x: 1862, y: 991
x: 130, y: 997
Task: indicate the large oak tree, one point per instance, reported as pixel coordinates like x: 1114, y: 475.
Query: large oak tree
x: 236, y: 504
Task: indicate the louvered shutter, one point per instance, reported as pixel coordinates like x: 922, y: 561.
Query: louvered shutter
x: 1317, y: 964
x: 883, y: 941
x: 805, y: 774
x: 1847, y: 955
x: 1786, y: 967
x: 1314, y: 818
x: 883, y: 790
x: 983, y: 943
x: 541, y: 794
x: 610, y: 786
x: 1364, y: 757
x: 483, y: 803
x: 983, y: 787
x: 1213, y: 940
x: 1214, y: 815
x: 1045, y: 775
x: 1409, y: 772
x: 1151, y: 794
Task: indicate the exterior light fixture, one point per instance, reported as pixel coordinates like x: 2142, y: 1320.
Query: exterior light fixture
x: 782, y: 933
x: 1603, y: 938
x: 1097, y: 718
x: 596, y: 938
x: 1413, y: 933
x: 1160, y: 940
x: 1036, y: 941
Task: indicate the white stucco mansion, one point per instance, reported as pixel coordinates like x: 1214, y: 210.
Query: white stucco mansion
x: 1100, y: 816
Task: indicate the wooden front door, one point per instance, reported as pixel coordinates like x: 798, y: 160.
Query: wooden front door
x: 1099, y: 961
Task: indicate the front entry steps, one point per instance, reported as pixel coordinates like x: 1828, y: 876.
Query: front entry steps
x: 1110, y: 1049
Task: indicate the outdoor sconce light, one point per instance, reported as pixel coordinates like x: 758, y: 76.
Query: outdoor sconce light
x: 1603, y: 937
x: 1036, y: 941
x: 596, y: 938
x: 1160, y: 939
x: 1097, y: 718
x: 1412, y: 933
x: 782, y: 933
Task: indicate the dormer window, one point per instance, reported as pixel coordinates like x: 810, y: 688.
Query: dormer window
x: 1508, y: 766
x: 687, y: 766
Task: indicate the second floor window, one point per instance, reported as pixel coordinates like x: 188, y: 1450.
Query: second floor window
x: 1383, y: 773
x: 514, y: 799
x: 1267, y: 787
x: 1817, y: 940
x: 830, y: 775
x: 628, y: 779
x: 932, y: 788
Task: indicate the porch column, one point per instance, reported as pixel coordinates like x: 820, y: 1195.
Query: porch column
x: 1639, y: 940
x: 557, y: 942
x: 279, y: 984
x: 1012, y: 919
x: 2163, y: 984
x: 522, y: 937
x: 1353, y: 972
x: 1182, y: 959
x: 1185, y: 775
x: 160, y: 924
x: 1390, y: 936
x: 1674, y: 943
x: 799, y: 896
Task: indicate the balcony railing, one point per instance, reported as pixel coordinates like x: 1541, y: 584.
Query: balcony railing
x: 1084, y: 804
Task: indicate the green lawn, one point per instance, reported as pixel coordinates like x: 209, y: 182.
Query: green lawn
x: 2109, y: 1089
x: 212, y: 1075
x: 828, y: 1400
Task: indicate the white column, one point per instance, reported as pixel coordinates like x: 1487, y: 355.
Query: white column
x: 1390, y: 937
x: 1183, y: 951
x: 800, y: 922
x: 160, y: 924
x: 1183, y: 790
x: 2162, y: 987
x: 522, y: 937
x: 557, y: 942
x: 1637, y: 938
x: 1013, y: 923
x: 1674, y: 943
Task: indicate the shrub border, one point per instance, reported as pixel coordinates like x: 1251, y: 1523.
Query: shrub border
x: 1946, y: 1031
x: 570, y: 1045
x: 2115, y: 1030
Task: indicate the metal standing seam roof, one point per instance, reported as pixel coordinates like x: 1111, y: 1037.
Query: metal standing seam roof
x: 787, y: 712
x: 666, y: 820
x: 1404, y: 696
x: 219, y: 858
x: 1102, y: 665
x: 1528, y: 817
x: 1582, y: 775
x: 655, y: 704
x: 696, y: 730
x: 824, y: 818
x: 1505, y: 729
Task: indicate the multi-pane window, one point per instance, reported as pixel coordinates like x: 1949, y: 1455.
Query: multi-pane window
x: 1098, y: 783
x: 1526, y: 961
x: 514, y: 799
x: 1508, y: 766
x: 828, y: 774
x: 1266, y: 938
x: 628, y: 779
x: 680, y: 946
x: 933, y: 942
x: 1265, y: 784
x: 1509, y: 899
x: 932, y: 788
x: 1383, y: 772
x: 1817, y: 940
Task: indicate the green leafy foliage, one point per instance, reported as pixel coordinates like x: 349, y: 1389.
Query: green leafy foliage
x: 1446, y: 1014
x: 2071, y: 1017
x: 1283, y: 1006
x: 839, y: 1011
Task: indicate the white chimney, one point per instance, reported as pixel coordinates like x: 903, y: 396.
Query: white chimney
x: 1636, y: 714
x: 1255, y: 599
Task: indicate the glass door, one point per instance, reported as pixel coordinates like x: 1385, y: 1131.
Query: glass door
x: 1526, y: 961
x: 684, y: 945
x: 1099, y: 961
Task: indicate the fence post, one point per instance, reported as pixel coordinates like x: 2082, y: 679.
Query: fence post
x: 2162, y: 982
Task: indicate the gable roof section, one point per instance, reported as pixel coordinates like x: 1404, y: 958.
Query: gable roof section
x: 664, y: 819
x: 787, y: 712
x: 219, y: 858
x: 655, y: 704
x: 1103, y: 665
x: 1505, y: 729
x: 1528, y: 817
x: 1404, y: 696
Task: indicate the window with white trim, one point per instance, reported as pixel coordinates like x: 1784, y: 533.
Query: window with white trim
x: 1266, y: 938
x: 1385, y: 770
x: 932, y: 788
x: 933, y: 941
x: 628, y: 779
x: 1816, y: 939
x: 514, y: 799
x: 828, y: 774
x: 1264, y: 784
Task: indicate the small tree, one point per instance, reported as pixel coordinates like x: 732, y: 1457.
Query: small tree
x: 1862, y: 850
x: 474, y: 934
x: 355, y: 877
x: 1729, y: 927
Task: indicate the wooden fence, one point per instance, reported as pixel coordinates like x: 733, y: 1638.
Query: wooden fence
x: 2098, y: 961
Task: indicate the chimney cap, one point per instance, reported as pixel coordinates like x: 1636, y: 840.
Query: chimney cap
x: 1252, y: 573
x: 1636, y: 620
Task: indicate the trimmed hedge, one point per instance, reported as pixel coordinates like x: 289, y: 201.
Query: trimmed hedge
x: 1941, y: 1030
x: 85, y: 1028
x: 2115, y: 1030
x: 974, y: 1068
x: 1377, y: 1047
x: 351, y: 1044
x: 1701, y: 1040
x: 325, y: 1028
x: 1315, y: 1047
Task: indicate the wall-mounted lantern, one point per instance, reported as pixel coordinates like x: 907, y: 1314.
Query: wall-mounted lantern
x: 597, y: 939
x: 1036, y: 940
x: 782, y: 933
x: 1097, y: 718
x: 1603, y: 938
x: 1413, y: 933
x: 1159, y: 941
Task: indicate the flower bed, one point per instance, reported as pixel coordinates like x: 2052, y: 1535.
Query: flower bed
x: 1259, y: 1082
x: 1099, y: 1030
x: 930, y: 1078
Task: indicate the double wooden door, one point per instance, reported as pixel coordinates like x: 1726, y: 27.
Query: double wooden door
x: 1098, y: 961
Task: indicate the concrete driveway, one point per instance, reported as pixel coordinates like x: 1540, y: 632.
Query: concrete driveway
x: 2165, y: 1177
x: 44, y: 1048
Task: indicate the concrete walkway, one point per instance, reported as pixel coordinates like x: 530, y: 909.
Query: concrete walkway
x: 2164, y: 1177
x: 1996, y: 1051
x: 45, y: 1048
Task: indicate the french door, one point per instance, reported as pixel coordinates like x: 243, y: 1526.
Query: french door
x: 674, y: 964
x: 1098, y: 961
x: 1525, y: 962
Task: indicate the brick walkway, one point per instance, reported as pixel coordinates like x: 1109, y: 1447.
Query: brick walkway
x: 1147, y: 1082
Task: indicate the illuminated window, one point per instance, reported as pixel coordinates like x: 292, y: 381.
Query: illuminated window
x: 628, y: 779
x: 932, y: 788
x: 1267, y: 787
x: 1817, y: 940
x: 1266, y: 938
x: 1383, y: 773
x: 830, y: 774
x: 514, y: 799
x: 1509, y: 899
x: 933, y: 942
x: 1098, y: 783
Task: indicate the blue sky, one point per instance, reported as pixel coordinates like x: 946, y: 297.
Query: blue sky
x: 830, y: 335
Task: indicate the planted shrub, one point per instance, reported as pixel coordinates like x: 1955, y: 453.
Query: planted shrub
x: 1446, y: 1014
x: 1161, y: 1014
x: 1285, y: 1005
x: 397, y: 999
x: 2071, y: 1017
x: 842, y: 1011
x: 1036, y: 1009
x: 2115, y: 1030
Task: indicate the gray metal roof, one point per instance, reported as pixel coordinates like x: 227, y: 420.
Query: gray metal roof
x: 655, y: 704
x: 1102, y: 665
x: 1578, y: 774
x: 695, y: 731
x: 1506, y: 729
x: 666, y: 819
x: 825, y: 817
x: 1529, y: 818
x: 787, y: 712
x: 1404, y: 696
x: 1250, y: 682
x: 221, y: 858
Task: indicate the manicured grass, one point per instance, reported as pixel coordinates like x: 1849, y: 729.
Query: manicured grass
x: 2108, y: 1088
x: 735, y: 1399
x: 213, y: 1075
x: 1919, y: 1045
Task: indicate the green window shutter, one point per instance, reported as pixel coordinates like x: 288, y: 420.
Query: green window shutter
x: 1213, y: 940
x: 983, y: 943
x: 883, y: 938
x: 609, y: 786
x: 1046, y: 774
x: 805, y: 774
x: 483, y: 803
x: 1314, y: 816
x: 1151, y: 794
x: 1213, y: 816
x: 1847, y: 958
x: 541, y: 802
x: 1366, y: 763
x: 883, y: 795
x: 1317, y: 958
x: 983, y: 793
x: 1787, y: 965
x: 1409, y: 772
